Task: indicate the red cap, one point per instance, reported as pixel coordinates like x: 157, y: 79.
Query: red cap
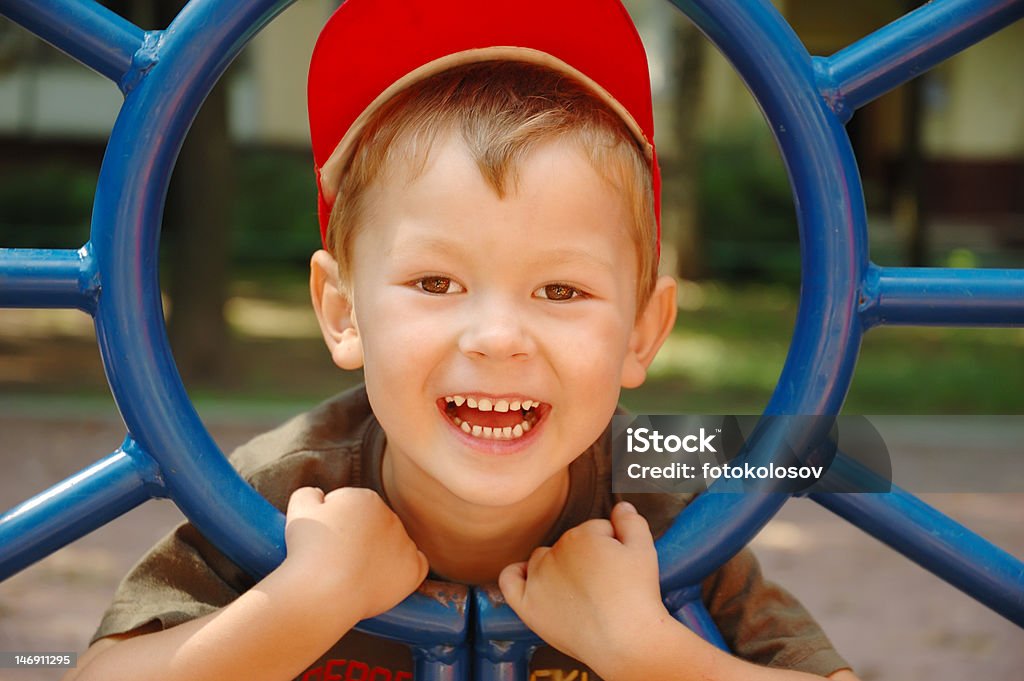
x: 371, y: 49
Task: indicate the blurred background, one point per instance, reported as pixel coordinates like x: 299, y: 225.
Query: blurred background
x: 942, y: 160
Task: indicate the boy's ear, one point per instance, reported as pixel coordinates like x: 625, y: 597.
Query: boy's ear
x: 334, y: 311
x: 649, y: 332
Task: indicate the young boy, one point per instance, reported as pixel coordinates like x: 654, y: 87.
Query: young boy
x: 488, y: 193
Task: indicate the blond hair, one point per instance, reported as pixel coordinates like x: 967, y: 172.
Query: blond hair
x: 502, y: 110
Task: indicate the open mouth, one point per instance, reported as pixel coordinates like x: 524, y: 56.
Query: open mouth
x: 493, y: 418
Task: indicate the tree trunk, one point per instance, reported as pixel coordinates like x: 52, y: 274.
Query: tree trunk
x: 199, y: 215
x: 681, y: 240
x: 910, y: 211
x: 197, y: 218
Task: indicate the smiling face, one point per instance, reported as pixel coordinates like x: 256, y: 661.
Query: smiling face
x: 495, y: 333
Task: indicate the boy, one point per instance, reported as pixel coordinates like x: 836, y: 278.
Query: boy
x: 488, y: 192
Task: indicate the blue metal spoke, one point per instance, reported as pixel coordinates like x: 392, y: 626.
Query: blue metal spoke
x: 41, y: 278
x: 503, y: 643
x: 86, y: 31
x: 441, y: 663
x: 939, y: 544
x: 687, y: 606
x: 433, y: 619
x: 486, y: 668
x: 74, y: 508
x: 908, y: 47
x: 926, y: 296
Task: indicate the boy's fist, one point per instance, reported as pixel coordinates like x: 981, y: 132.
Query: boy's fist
x: 353, y: 548
x: 593, y: 590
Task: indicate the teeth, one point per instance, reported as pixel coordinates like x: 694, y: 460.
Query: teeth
x: 488, y: 404
x: 489, y: 433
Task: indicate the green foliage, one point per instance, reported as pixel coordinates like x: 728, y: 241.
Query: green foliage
x: 747, y: 215
x: 275, y: 217
x: 46, y: 206
x: 727, y: 351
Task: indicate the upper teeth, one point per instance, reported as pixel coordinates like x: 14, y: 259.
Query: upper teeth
x: 487, y: 404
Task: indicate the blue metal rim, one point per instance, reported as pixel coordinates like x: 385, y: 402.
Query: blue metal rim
x: 129, y: 323
x: 179, y: 71
x: 816, y: 150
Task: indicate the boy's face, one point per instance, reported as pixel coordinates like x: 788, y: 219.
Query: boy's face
x: 457, y: 293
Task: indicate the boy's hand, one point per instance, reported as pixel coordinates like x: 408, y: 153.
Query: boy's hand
x: 352, y: 548
x: 593, y: 590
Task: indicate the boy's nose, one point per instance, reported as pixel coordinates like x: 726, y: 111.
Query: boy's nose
x: 496, y: 331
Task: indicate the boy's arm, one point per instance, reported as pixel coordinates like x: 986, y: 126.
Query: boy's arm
x: 668, y: 650
x: 595, y: 596
x: 336, y: 543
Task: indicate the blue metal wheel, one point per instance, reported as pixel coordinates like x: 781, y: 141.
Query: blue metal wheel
x: 165, y: 76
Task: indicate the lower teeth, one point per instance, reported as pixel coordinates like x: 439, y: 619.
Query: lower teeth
x: 489, y: 433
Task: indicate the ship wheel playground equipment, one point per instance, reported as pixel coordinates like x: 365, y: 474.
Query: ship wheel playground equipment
x: 165, y: 76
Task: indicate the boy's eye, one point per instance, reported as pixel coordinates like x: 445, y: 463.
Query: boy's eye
x: 558, y: 292
x: 438, y: 285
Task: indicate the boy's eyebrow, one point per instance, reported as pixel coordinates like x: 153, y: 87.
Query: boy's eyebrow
x: 576, y: 256
x: 419, y: 245
x: 455, y: 248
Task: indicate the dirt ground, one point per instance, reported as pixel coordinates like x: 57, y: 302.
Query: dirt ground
x: 890, y: 618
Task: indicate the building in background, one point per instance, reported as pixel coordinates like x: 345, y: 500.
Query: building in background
x: 47, y: 98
